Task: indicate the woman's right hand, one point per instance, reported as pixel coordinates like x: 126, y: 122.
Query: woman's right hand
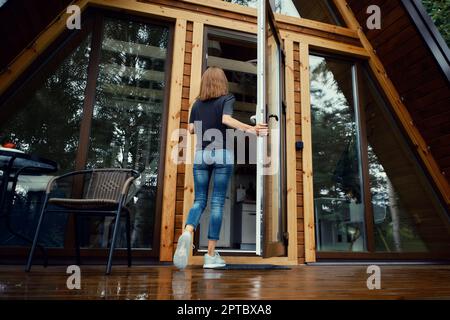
x: 261, y: 129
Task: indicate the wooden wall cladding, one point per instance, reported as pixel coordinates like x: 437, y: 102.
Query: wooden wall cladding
x: 414, y: 72
x: 299, y: 172
x: 185, y: 105
x: 21, y: 21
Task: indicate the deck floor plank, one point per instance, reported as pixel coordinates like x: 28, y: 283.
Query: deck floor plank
x: 166, y: 282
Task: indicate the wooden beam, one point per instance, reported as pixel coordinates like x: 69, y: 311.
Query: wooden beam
x: 291, y: 157
x: 326, y: 44
x: 36, y: 48
x: 316, y: 25
x: 173, y: 121
x: 196, y: 75
x: 308, y: 190
x: 228, y: 6
x: 399, y: 108
x: 301, y: 22
x: 174, y: 13
x: 348, y: 21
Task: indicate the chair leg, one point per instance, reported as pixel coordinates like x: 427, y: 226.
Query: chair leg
x: 36, y: 235
x: 128, y: 227
x: 113, y: 240
x: 77, y: 239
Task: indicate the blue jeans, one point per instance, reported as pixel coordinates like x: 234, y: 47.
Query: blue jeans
x: 217, y: 164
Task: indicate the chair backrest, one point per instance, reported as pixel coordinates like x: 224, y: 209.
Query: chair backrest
x: 107, y: 183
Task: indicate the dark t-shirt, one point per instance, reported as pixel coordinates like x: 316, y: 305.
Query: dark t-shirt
x: 207, y: 118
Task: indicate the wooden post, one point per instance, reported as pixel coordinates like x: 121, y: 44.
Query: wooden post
x: 196, y: 76
x: 308, y: 190
x: 173, y: 121
x: 291, y: 157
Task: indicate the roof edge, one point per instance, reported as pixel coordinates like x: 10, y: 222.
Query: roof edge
x: 430, y: 34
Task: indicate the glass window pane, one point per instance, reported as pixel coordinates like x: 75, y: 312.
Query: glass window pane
x: 247, y: 3
x: 319, y: 10
x: 338, y: 198
x: 127, y: 121
x: 407, y: 215
x: 47, y: 124
x: 273, y: 191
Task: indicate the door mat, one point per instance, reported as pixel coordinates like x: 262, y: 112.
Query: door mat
x: 252, y: 267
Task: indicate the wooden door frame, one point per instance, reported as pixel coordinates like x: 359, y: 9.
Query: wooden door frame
x: 277, y: 249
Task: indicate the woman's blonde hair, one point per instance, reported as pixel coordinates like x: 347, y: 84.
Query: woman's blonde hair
x: 214, y: 84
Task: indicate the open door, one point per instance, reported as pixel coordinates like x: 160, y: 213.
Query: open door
x: 271, y: 191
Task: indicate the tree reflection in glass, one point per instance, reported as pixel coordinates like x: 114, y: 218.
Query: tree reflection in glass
x: 338, y: 196
x: 406, y: 214
x: 48, y: 110
x: 127, y: 120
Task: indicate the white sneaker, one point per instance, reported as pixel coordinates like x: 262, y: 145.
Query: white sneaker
x: 213, y: 262
x: 181, y: 256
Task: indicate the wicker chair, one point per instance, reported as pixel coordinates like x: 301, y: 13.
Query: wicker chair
x: 104, y: 194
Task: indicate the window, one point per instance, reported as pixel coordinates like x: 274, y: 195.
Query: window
x: 407, y: 216
x: 127, y: 121
x: 46, y: 123
x: 123, y: 128
x: 319, y: 10
x: 338, y: 193
x: 370, y: 195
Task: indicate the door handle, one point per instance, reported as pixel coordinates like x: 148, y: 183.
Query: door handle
x: 253, y: 119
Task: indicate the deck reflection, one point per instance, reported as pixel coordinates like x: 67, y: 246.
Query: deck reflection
x: 166, y: 282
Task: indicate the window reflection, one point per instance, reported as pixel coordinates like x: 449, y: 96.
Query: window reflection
x: 47, y: 122
x: 319, y: 10
x: 127, y: 121
x: 407, y: 215
x: 338, y: 197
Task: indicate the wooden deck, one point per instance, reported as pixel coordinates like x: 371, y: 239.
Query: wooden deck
x: 166, y: 282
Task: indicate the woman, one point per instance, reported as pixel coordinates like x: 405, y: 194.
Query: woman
x: 210, y: 116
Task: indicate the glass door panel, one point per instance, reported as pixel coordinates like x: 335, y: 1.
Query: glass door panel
x: 273, y: 218
x: 338, y: 191
x: 127, y: 125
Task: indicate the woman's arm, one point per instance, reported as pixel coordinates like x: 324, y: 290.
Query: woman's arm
x: 260, y: 129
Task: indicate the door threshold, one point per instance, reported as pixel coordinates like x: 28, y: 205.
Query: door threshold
x: 376, y: 262
x: 229, y: 251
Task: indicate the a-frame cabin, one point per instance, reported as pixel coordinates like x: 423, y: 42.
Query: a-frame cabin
x: 367, y: 127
